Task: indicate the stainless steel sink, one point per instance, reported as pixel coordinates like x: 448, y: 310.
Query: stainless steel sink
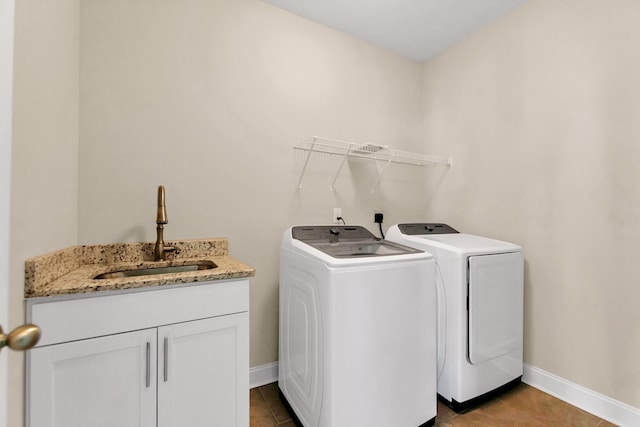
x: 150, y: 271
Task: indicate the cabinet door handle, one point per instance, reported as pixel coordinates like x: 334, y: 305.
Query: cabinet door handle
x: 166, y: 359
x: 148, y: 380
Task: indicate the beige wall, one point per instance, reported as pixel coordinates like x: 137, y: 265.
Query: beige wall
x: 541, y: 112
x: 44, y: 201
x: 208, y: 98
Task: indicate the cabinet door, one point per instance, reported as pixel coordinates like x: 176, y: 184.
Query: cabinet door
x: 203, y: 373
x: 99, y: 382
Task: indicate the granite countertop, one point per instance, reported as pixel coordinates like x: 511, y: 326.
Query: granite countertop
x: 73, y: 270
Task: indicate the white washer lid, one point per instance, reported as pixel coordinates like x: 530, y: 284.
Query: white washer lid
x: 469, y: 244
x: 299, y: 246
x: 458, y: 245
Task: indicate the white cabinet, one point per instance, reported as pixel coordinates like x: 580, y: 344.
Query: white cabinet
x: 174, y: 357
x: 94, y: 382
x: 198, y: 372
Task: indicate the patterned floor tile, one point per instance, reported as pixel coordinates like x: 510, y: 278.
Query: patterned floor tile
x: 523, y: 406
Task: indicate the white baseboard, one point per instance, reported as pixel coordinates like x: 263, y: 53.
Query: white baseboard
x: 263, y: 374
x: 588, y: 400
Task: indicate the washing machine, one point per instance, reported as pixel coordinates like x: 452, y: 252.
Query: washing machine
x: 357, y: 329
x: 480, y: 287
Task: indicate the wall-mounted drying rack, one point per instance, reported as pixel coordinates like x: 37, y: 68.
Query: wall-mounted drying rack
x: 317, y: 144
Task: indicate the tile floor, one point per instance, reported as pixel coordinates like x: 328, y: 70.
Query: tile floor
x: 523, y: 406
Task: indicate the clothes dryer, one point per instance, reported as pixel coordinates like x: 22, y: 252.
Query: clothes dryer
x: 357, y: 329
x: 480, y: 285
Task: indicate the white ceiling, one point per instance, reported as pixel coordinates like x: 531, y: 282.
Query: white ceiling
x: 417, y: 29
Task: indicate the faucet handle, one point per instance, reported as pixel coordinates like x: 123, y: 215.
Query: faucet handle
x: 172, y: 248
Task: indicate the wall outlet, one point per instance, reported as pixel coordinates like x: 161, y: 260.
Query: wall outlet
x: 337, y: 213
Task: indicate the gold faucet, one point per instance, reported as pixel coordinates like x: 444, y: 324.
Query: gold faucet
x: 160, y: 253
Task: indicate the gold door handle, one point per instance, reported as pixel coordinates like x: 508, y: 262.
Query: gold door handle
x: 21, y: 338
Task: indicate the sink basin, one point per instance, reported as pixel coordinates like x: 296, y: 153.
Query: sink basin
x: 150, y: 271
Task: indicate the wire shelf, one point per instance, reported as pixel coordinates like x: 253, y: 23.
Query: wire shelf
x: 374, y: 152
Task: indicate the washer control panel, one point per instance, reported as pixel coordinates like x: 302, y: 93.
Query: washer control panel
x: 331, y: 233
x: 426, y: 228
